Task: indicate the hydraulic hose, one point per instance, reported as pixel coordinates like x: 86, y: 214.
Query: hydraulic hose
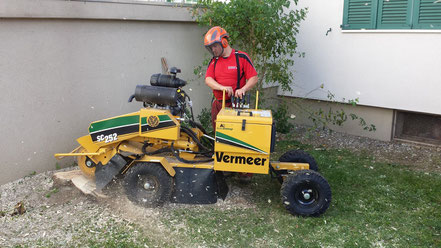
x: 193, y: 135
x: 165, y: 149
x: 198, y: 125
x: 176, y: 154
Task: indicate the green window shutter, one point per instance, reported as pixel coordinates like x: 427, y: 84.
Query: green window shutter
x: 359, y: 14
x: 427, y: 14
x: 394, y: 14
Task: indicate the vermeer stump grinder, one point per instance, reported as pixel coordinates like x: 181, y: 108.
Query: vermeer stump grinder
x: 164, y: 155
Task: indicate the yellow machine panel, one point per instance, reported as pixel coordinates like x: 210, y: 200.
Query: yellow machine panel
x: 156, y: 123
x: 243, y: 140
x: 112, y: 130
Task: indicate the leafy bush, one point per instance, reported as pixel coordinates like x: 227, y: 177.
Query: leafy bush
x: 205, y: 119
x: 281, y: 118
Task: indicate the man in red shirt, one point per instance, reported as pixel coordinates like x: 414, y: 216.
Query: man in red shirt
x: 229, y: 70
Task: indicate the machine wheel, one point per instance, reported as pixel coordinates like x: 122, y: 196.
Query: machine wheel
x: 299, y: 156
x: 148, y: 184
x: 306, y: 193
x: 87, y: 166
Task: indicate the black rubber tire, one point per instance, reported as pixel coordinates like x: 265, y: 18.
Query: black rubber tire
x: 299, y: 156
x: 306, y: 193
x: 159, y: 183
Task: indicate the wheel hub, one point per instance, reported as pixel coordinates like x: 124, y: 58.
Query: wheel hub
x: 306, y: 196
x: 148, y: 186
x: 89, y: 163
x: 147, y: 183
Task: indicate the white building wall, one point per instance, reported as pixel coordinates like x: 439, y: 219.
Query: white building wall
x: 395, y: 69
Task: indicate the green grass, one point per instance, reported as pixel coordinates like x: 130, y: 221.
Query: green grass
x: 373, y: 205
x: 50, y: 192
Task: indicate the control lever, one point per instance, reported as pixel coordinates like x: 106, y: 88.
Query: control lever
x: 246, y: 104
x: 235, y: 102
x: 241, y: 103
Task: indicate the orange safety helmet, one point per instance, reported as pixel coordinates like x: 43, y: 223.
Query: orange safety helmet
x: 216, y: 35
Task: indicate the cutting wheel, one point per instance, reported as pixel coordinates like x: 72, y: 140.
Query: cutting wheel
x: 83, y: 163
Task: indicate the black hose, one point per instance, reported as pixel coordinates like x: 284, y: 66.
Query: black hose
x: 191, y: 110
x: 198, y: 125
x: 176, y: 154
x: 195, y: 138
x: 165, y: 149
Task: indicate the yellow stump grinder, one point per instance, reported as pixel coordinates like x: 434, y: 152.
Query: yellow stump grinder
x: 164, y: 155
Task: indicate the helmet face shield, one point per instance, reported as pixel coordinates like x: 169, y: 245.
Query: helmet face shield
x: 215, y: 49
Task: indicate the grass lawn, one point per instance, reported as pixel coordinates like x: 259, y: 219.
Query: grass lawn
x: 373, y: 205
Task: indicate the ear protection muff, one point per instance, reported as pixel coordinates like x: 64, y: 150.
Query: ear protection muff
x: 224, y: 42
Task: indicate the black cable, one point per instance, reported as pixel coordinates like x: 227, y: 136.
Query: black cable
x: 198, y: 125
x: 176, y: 154
x: 191, y: 110
x: 165, y: 149
x: 195, y: 138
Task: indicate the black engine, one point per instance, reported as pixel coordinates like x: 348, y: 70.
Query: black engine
x: 164, y: 91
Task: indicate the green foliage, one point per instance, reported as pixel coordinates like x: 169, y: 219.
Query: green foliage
x: 33, y: 173
x: 281, y: 118
x: 52, y: 191
x: 322, y: 118
x: 265, y: 29
x: 205, y: 119
x: 363, y: 124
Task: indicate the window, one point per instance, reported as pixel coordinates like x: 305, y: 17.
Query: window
x: 392, y: 14
x: 425, y: 128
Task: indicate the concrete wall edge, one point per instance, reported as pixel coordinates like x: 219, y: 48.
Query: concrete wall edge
x: 109, y: 10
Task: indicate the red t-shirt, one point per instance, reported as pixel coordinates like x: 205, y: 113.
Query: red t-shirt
x: 225, y: 72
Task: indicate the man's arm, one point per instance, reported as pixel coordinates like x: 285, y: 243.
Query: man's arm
x: 248, y: 86
x: 216, y: 86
